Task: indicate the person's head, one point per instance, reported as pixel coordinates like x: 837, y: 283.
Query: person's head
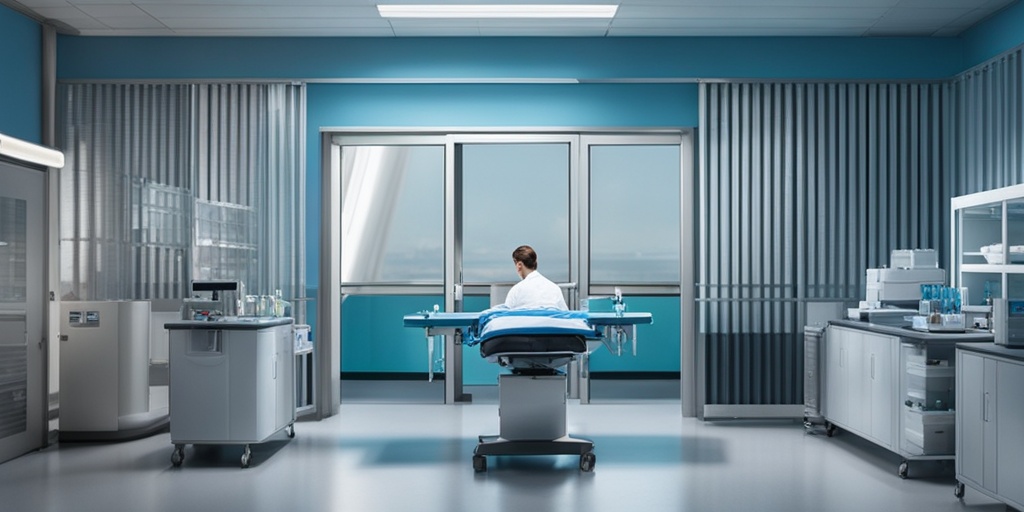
x: 525, y: 259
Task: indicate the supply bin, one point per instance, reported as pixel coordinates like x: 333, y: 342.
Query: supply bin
x: 929, y: 432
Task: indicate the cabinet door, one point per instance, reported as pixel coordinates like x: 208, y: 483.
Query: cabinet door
x: 1010, y: 431
x: 880, y: 351
x: 970, y: 416
x: 858, y: 396
x: 835, y: 404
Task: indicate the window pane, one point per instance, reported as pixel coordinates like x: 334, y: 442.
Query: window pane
x: 634, y: 214
x: 392, y: 214
x: 514, y: 194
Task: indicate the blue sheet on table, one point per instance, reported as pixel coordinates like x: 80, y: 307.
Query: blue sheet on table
x: 502, y: 322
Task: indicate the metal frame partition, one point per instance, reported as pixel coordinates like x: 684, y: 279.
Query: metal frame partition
x: 453, y: 287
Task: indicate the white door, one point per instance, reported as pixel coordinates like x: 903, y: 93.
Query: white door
x: 22, y: 300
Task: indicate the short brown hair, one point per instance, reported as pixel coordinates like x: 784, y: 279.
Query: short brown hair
x: 526, y: 255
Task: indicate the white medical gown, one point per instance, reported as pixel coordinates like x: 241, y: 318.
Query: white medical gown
x: 535, y: 292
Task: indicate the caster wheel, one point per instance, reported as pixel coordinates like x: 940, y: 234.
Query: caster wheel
x: 903, y: 470
x: 587, y: 462
x: 830, y: 429
x: 959, y: 490
x: 479, y: 463
x: 178, y: 455
x: 246, y: 457
x: 290, y: 430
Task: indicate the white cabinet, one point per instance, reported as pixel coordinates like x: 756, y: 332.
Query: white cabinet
x: 230, y: 382
x: 990, y: 420
x: 988, y: 244
x: 860, y: 383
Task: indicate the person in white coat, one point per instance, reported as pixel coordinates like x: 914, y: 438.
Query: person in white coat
x: 534, y: 291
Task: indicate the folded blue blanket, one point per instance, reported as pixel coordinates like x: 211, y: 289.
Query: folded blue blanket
x: 501, y: 322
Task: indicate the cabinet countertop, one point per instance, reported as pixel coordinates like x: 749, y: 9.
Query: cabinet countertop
x: 915, y: 336
x: 247, y: 324
x: 1016, y: 354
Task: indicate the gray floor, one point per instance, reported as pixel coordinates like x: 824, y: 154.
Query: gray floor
x: 376, y: 456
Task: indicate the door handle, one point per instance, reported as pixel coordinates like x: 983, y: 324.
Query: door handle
x: 985, y: 407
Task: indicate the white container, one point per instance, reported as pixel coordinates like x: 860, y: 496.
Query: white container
x: 914, y: 258
x: 928, y: 383
x: 932, y: 432
x: 899, y: 284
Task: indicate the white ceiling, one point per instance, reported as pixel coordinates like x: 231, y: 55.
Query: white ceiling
x: 857, y: 18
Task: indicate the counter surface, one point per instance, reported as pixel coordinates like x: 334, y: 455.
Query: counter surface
x: 915, y: 336
x: 1016, y: 354
x: 235, y: 324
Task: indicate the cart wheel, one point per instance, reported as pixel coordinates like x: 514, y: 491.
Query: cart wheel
x: 479, y: 463
x: 246, y: 457
x: 178, y: 455
x: 903, y: 470
x: 587, y: 462
x: 291, y: 430
x: 959, y: 490
x: 830, y: 429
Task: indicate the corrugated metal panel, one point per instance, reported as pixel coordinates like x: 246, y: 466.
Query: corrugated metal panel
x: 802, y: 187
x: 166, y: 183
x: 986, y: 110
x: 128, y: 164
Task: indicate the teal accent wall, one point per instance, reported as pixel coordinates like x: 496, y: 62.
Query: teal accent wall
x: 624, y: 82
x: 21, y: 104
x: 995, y: 35
x: 583, y: 58
x: 376, y: 339
x: 658, y: 347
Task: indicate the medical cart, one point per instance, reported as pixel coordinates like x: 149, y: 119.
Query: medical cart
x: 231, y: 382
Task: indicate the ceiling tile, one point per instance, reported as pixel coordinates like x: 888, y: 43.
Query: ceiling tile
x: 635, y: 17
x: 259, y: 11
x: 112, y: 10
x: 131, y: 22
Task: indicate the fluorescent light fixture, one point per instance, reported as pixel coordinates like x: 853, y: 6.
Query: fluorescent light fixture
x: 497, y: 11
x: 32, y: 153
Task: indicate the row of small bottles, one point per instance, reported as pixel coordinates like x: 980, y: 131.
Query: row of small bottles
x: 265, y: 306
x: 941, y: 300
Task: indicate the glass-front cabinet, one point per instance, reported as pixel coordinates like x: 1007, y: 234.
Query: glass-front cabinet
x: 988, y: 244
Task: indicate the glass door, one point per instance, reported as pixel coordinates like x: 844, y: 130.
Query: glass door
x: 514, y: 190
x: 22, y: 288
x: 392, y: 262
x: 633, y: 231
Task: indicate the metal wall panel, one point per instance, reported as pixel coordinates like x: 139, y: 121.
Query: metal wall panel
x: 986, y: 111
x: 170, y: 182
x: 802, y: 187
x: 125, y: 145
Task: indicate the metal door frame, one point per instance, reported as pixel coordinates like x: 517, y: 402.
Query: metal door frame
x: 329, y: 303
x: 42, y: 268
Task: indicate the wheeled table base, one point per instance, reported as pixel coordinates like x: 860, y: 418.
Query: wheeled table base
x: 495, y: 445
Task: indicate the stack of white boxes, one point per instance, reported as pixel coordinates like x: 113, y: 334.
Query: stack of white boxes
x: 929, y: 421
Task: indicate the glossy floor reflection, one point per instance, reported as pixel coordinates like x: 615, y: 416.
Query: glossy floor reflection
x: 417, y: 457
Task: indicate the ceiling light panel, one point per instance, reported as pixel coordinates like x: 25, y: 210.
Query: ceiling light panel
x: 497, y: 11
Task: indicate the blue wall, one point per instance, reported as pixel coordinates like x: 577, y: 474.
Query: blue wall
x: 20, y: 76
x: 581, y: 58
x: 608, y: 96
x: 999, y: 33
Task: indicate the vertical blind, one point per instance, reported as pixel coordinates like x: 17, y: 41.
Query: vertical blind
x: 165, y: 183
x: 802, y: 186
